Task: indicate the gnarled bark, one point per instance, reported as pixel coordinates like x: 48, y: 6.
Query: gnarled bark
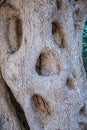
x: 41, y: 63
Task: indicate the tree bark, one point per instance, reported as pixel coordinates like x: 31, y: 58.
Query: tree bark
x: 42, y: 78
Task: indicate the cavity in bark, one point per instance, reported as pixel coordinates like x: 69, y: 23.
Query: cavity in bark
x: 40, y: 104
x: 57, y: 34
x: 48, y: 64
x: 15, y: 33
x: 41, y: 109
x: 70, y: 83
x: 59, y: 4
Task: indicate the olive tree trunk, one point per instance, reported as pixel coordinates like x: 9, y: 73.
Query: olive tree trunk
x: 42, y: 78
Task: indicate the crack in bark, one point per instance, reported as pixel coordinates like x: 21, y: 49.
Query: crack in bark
x: 19, y: 111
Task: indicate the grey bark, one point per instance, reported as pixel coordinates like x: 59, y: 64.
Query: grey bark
x: 43, y: 82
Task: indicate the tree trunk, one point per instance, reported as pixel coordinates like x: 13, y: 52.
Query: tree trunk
x: 42, y: 78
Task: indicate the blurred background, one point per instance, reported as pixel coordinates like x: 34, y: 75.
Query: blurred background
x: 84, y: 41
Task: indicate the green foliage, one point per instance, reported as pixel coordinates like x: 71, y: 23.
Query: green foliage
x: 85, y: 46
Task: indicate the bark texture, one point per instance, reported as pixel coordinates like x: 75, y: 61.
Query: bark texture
x: 42, y: 79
